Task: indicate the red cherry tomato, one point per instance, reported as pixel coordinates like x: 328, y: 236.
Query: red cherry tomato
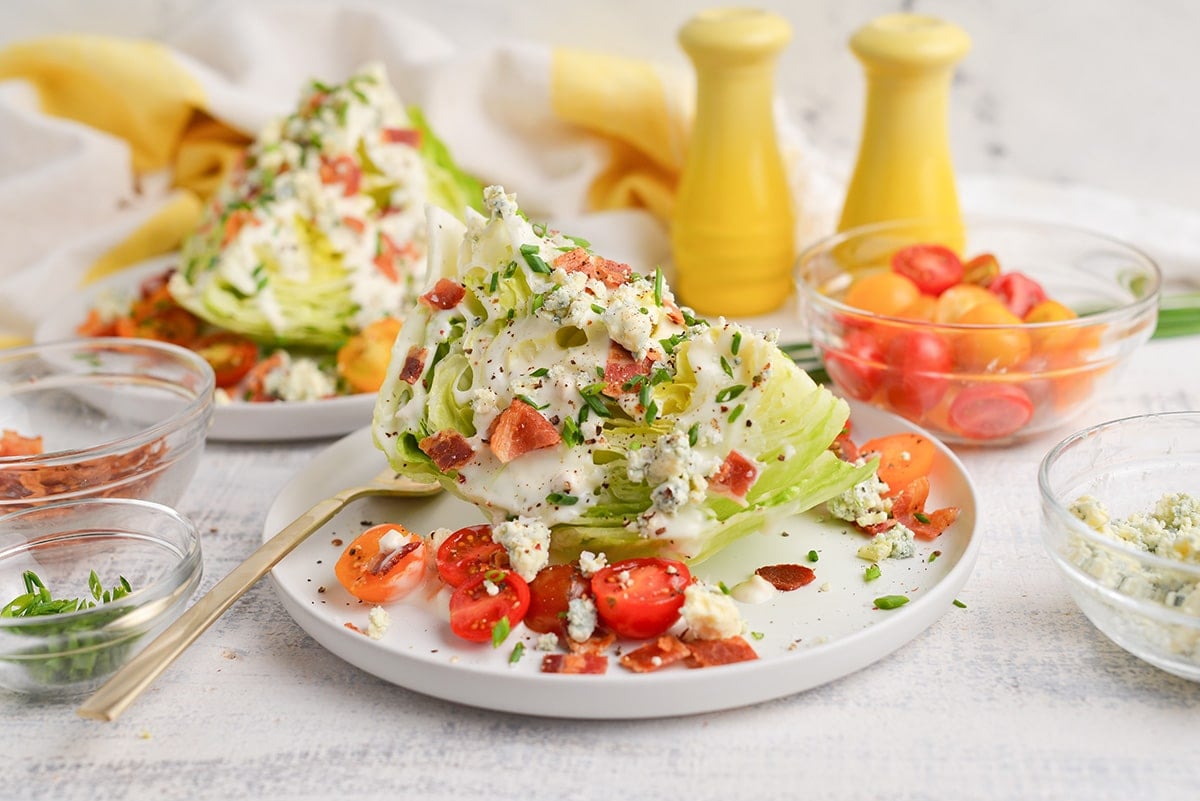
x: 920, y: 362
x: 232, y: 356
x: 480, y: 602
x: 990, y: 411
x: 468, y: 552
x: 933, y: 268
x: 856, y: 367
x: 1019, y: 292
x: 381, y: 578
x: 640, y: 598
x: 550, y: 594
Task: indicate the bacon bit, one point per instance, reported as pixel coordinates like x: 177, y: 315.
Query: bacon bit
x: 621, y: 367
x: 353, y: 627
x: 735, y: 476
x: 674, y: 313
x: 126, y: 475
x: 414, y: 364
x: 448, y: 449
x: 612, y: 273
x: 574, y: 663
x: 709, y: 653
x: 387, y: 257
x: 234, y: 223
x: 446, y: 294
x: 520, y: 429
x: 354, y: 224
x: 406, y: 136
x: 382, y: 564
x: 13, y: 444
x: 96, y: 326
x: 786, y: 578
x: 596, y: 644
x: 342, y: 170
x: 666, y: 650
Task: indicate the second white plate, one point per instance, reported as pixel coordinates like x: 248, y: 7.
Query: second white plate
x: 235, y: 421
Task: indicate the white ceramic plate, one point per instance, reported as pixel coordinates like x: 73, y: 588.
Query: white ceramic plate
x: 234, y: 421
x: 813, y: 635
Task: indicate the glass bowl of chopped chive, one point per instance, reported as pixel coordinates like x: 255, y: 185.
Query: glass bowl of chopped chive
x: 84, y: 585
x: 1121, y: 520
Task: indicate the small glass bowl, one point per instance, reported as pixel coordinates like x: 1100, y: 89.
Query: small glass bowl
x: 116, y: 417
x: 71, y: 653
x: 982, y: 384
x: 1146, y: 603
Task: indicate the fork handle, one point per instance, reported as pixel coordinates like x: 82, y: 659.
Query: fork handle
x: 128, y: 682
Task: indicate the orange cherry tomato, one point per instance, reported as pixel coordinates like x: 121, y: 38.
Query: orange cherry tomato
x: 903, y: 458
x: 1055, y: 339
x: 364, y: 359
x: 991, y: 349
x: 923, y: 308
x: 981, y: 270
x: 886, y: 293
x: 382, y: 576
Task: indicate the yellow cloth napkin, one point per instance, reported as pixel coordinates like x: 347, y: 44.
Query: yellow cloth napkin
x: 118, y: 143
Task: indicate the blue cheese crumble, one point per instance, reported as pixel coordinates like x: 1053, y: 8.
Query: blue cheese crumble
x: 895, y: 543
x: 862, y: 504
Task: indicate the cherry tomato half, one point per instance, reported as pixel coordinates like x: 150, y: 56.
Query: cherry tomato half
x: 468, y: 552
x: 903, y: 458
x: 382, y: 577
x: 990, y: 411
x: 917, y: 380
x: 551, y: 592
x: 856, y: 367
x: 480, y: 602
x: 231, y: 355
x: 1019, y: 292
x: 640, y: 598
x: 933, y: 268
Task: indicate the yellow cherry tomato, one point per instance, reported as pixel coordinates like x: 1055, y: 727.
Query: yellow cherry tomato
x: 1056, y: 339
x: 923, y: 308
x: 958, y: 300
x: 991, y: 349
x: 363, y: 360
x: 884, y: 293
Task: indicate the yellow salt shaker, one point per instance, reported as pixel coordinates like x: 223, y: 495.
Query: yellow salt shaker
x: 733, y: 227
x: 904, y: 169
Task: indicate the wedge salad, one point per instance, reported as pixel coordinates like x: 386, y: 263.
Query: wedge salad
x: 613, y: 440
x: 311, y: 252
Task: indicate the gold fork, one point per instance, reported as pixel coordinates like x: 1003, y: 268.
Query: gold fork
x: 128, y: 682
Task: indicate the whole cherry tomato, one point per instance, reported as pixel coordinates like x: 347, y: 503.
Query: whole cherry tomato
x: 919, y: 363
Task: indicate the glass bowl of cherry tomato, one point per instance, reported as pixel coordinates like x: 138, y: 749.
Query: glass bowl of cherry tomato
x: 85, y: 585
x: 101, y: 417
x: 987, y: 333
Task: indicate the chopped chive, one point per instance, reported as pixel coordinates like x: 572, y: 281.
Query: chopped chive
x: 813, y: 556
x: 539, y: 229
x: 500, y: 632
x: 694, y: 434
x: 518, y: 651
x: 724, y: 588
x: 737, y: 412
x: 890, y: 601
x: 597, y: 308
x: 727, y: 367
x: 536, y: 302
x: 510, y: 270
x: 871, y: 573
x: 921, y: 517
x: 959, y: 604
x: 579, y: 241
x: 571, y: 434
x: 758, y: 635
x: 729, y: 393
x: 737, y: 342
x: 541, y: 372
x: 651, y: 412
x: 661, y: 374
x: 933, y: 556
x: 670, y: 343
x: 658, y: 286
x: 562, y: 499
x: 644, y: 396
x: 535, y: 262
x: 494, y: 284
x: 530, y: 401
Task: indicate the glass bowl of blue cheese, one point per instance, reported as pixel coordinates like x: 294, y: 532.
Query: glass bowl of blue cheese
x: 1121, y: 520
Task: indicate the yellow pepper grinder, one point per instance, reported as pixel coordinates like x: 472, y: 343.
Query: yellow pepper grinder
x: 903, y: 169
x: 733, y: 228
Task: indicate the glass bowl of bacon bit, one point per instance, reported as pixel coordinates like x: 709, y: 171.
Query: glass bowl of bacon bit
x: 84, y: 585
x: 101, y: 418
x: 985, y: 333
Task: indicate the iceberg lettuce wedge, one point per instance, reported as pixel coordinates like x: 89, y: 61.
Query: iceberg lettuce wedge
x: 539, y: 379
